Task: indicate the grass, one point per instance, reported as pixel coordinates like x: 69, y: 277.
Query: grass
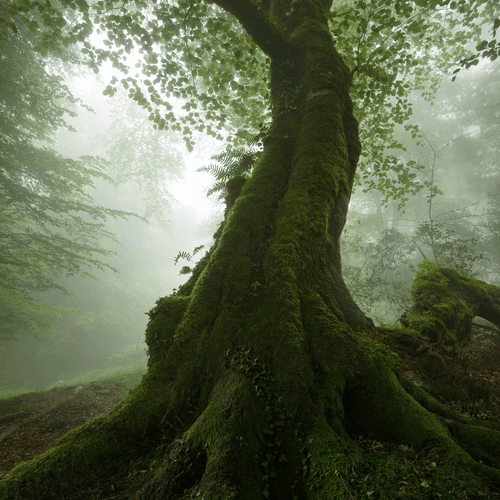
x: 130, y: 377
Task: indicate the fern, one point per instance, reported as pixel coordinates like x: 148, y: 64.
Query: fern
x: 182, y: 255
x: 186, y: 270
x: 188, y: 257
x: 218, y: 186
x: 233, y: 162
x: 197, y: 249
x: 213, y: 169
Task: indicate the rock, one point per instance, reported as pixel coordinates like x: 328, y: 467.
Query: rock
x: 445, y: 302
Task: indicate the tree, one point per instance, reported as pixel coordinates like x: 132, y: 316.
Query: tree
x: 48, y: 224
x: 261, y: 366
x: 137, y: 152
x: 447, y: 220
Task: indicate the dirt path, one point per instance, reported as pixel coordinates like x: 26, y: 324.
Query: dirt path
x: 32, y: 423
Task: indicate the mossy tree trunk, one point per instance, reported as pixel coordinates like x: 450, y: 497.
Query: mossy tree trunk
x: 258, y: 370
x: 445, y: 303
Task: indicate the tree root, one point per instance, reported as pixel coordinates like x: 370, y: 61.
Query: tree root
x: 402, y: 412
x: 243, y: 445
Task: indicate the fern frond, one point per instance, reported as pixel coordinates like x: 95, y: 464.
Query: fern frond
x: 233, y: 162
x: 218, y: 186
x: 216, y: 170
x: 182, y: 255
x: 197, y: 249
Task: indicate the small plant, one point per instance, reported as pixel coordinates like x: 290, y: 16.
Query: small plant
x: 188, y: 257
x: 233, y: 162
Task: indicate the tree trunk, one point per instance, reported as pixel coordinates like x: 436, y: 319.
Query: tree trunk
x: 259, y: 370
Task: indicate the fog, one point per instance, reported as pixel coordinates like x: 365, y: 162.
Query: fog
x: 451, y: 214
x: 104, y: 322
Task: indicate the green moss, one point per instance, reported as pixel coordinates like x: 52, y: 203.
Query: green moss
x: 163, y: 321
x: 329, y: 458
x: 429, y: 283
x: 387, y: 471
x: 386, y: 412
x: 187, y: 288
x: 425, y: 324
x: 445, y: 303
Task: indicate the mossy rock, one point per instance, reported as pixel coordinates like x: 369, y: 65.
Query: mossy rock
x: 445, y: 303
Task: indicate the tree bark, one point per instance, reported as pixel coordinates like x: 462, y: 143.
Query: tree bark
x: 260, y: 366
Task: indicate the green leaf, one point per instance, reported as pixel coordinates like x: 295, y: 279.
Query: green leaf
x: 482, y: 45
x: 12, y: 26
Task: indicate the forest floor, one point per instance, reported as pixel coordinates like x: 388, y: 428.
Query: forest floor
x: 31, y: 423
x: 468, y: 383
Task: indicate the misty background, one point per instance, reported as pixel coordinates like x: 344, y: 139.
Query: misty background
x: 451, y: 213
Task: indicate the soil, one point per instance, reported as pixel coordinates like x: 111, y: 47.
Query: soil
x: 32, y: 423
x: 468, y: 383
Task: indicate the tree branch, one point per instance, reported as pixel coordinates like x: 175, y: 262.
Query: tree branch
x: 257, y: 25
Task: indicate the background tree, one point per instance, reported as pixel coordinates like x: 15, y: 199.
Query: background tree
x: 149, y: 158
x: 56, y: 235
x: 48, y: 224
x: 261, y: 367
x: 380, y: 253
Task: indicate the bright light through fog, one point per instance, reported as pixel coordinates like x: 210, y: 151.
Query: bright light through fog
x: 191, y: 190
